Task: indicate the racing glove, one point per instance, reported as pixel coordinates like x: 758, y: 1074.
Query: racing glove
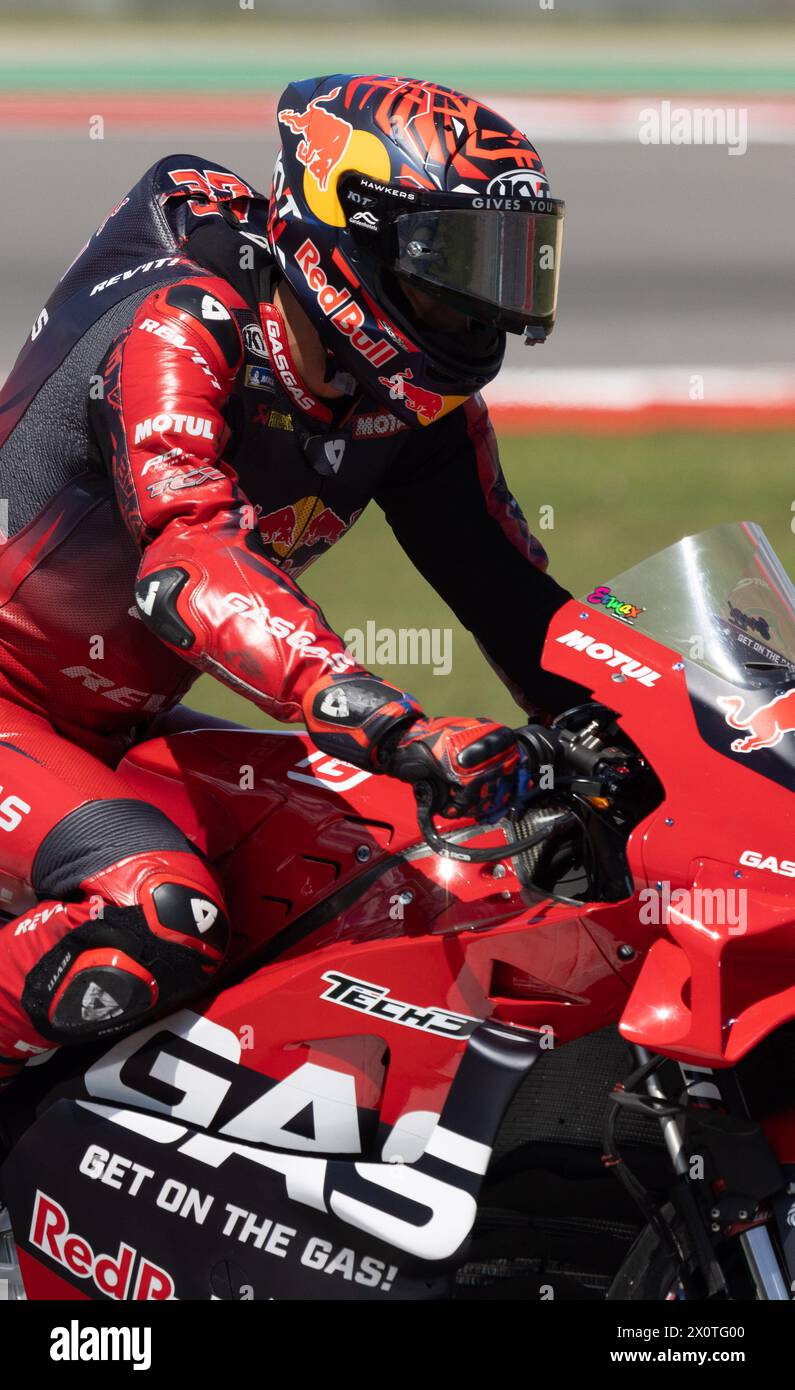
x: 473, y: 766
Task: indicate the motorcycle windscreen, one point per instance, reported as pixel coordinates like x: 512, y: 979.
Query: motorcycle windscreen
x: 724, y: 602
x: 722, y: 599
x: 506, y: 264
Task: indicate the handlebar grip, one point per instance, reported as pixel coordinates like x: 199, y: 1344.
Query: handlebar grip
x: 542, y: 746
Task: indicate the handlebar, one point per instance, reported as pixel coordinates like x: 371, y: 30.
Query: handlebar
x: 594, y: 766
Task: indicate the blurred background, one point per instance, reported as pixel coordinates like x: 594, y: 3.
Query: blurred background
x: 665, y: 400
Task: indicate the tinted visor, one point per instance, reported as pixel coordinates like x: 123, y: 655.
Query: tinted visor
x: 497, y: 265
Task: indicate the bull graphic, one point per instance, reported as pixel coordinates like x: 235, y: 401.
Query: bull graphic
x: 765, y: 726
x: 427, y: 405
x: 305, y: 524
x: 325, y: 137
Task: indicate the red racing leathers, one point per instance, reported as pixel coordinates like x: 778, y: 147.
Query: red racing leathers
x: 205, y: 585
x: 169, y: 545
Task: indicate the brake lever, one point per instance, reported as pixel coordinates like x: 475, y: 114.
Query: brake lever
x: 448, y: 849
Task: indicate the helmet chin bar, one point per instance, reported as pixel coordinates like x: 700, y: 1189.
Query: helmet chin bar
x: 443, y: 346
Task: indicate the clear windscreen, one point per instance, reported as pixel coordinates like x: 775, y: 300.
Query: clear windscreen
x: 721, y: 598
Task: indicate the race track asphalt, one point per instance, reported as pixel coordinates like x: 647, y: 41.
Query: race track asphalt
x: 672, y: 255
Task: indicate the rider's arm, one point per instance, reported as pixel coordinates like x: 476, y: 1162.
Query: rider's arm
x: 448, y: 504
x: 205, y: 585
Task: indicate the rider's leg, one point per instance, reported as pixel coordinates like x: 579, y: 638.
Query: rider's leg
x: 130, y: 919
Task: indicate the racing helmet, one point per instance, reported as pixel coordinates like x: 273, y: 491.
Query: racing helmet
x: 387, y: 183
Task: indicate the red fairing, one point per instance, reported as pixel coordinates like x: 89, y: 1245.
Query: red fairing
x: 44, y: 1284
x: 434, y: 934
x: 365, y: 970
x: 233, y: 613
x: 706, y: 993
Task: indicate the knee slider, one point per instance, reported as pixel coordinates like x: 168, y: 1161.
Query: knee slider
x: 108, y: 974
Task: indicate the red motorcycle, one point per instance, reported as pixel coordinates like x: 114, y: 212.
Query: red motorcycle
x: 323, y: 1125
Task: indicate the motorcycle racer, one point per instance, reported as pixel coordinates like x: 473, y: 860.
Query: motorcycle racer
x: 218, y: 386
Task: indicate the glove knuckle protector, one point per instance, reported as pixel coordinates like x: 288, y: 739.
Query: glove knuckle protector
x: 474, y: 766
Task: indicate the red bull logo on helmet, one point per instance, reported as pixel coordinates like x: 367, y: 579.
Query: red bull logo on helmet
x: 340, y: 307
x: 765, y: 726
x: 427, y: 405
x: 325, y: 137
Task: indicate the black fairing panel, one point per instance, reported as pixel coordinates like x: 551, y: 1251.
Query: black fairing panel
x: 705, y: 688
x: 196, y: 1215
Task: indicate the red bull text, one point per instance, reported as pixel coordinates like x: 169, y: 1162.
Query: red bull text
x: 340, y: 307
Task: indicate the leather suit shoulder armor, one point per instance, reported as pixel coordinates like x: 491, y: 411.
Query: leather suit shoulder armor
x: 142, y: 242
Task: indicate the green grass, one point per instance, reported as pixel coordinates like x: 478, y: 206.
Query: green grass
x: 260, y: 50
x: 615, y: 499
